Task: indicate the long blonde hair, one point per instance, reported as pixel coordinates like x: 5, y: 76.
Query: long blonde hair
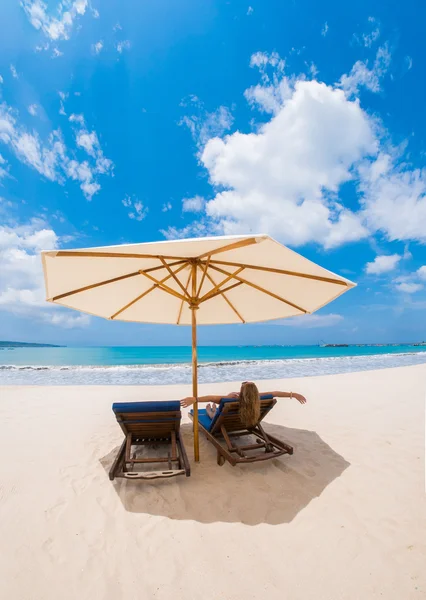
x: 249, y: 404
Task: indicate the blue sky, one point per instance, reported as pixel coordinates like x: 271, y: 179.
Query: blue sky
x: 136, y: 121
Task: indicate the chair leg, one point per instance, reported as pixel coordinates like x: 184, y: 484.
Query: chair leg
x: 220, y: 459
x: 183, y: 458
x: 128, y: 447
x: 118, y: 461
x: 268, y: 446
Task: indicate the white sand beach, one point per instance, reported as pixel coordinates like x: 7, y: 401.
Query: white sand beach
x: 343, y: 518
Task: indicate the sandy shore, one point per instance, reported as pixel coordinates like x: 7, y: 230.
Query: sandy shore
x: 343, y: 518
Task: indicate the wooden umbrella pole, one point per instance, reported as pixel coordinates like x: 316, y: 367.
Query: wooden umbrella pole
x: 194, y: 308
x: 195, y: 383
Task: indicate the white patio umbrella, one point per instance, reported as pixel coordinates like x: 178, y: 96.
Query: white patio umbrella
x: 205, y: 281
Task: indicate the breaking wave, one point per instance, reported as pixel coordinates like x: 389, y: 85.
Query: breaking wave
x: 209, y: 372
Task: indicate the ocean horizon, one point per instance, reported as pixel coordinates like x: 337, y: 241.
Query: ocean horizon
x: 159, y: 365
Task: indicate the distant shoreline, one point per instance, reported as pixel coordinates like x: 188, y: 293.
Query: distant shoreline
x: 8, y: 344
x: 27, y: 345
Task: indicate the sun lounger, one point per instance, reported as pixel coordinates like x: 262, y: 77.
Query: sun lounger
x: 226, y: 425
x: 147, y: 424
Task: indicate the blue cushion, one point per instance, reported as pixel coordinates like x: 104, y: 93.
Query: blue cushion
x: 208, y: 423
x: 132, y: 407
x: 203, y: 418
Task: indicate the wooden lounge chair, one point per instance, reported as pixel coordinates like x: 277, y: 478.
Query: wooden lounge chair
x: 227, y: 424
x: 144, y: 424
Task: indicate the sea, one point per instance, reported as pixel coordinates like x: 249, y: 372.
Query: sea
x: 131, y: 365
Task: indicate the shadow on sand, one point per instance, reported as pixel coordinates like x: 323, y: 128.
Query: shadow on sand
x: 270, y: 492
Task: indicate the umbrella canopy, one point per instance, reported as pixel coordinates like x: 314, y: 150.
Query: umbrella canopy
x: 205, y: 281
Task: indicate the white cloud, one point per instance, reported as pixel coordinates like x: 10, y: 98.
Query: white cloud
x: 311, y: 321
x: 324, y: 30
x: 166, y: 207
x: 204, y: 125
x: 77, y: 119
x: 95, y: 13
x: 88, y: 141
x: 123, y: 45
x: 421, y: 272
x: 50, y: 158
x: 411, y: 282
x: 41, y: 47
x: 63, y: 96
x: 96, y: 48
x: 285, y: 177
x: 90, y: 188
x: 250, y: 10
x: 1, y: 79
x: 394, y: 198
x: 137, y: 211
x: 347, y: 228
x: 60, y: 26
x: 262, y: 60
x: 382, y: 264
x: 195, y: 204
x: 56, y: 53
x: 195, y: 229
x: 43, y: 158
x: 32, y: 109
x: 362, y: 76
x: 409, y: 288
x: 66, y: 320
x: 84, y: 172
x: 313, y: 71
x: 409, y: 62
x: 14, y: 72
x: 274, y: 89
x: 21, y: 278
x: 407, y: 254
x: 3, y: 167
x: 368, y: 39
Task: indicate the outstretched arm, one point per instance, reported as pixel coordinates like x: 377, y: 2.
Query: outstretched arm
x: 298, y: 397
x: 189, y: 401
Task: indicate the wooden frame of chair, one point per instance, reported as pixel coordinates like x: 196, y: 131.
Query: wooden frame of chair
x: 144, y: 429
x: 228, y: 425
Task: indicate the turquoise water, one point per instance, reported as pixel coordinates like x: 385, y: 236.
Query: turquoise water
x: 160, y: 364
x: 152, y: 355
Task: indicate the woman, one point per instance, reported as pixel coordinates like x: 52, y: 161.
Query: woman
x: 249, y: 399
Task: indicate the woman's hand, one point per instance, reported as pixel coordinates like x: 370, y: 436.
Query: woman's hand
x: 189, y: 401
x: 299, y: 398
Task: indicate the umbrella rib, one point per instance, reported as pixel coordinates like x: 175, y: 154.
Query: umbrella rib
x: 145, y: 293
x: 93, y: 285
x: 226, y: 298
x: 163, y: 287
x: 183, y: 302
x: 63, y: 253
x: 206, y: 266
x: 261, y: 289
x: 234, y: 246
x: 281, y: 272
x: 219, y: 285
x: 106, y: 282
x: 182, y: 287
x: 218, y: 292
